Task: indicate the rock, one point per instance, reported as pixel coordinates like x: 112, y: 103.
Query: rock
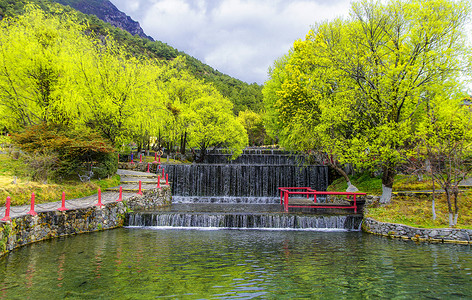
x: 351, y: 188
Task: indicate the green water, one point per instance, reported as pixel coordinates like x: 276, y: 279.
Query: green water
x: 235, y: 264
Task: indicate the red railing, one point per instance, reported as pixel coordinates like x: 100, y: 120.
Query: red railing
x: 286, y: 192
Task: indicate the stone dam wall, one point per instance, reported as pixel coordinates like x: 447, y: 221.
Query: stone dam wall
x: 434, y: 235
x: 28, y: 229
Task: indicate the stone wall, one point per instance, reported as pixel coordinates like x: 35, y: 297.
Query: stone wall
x: 28, y: 229
x: 436, y: 235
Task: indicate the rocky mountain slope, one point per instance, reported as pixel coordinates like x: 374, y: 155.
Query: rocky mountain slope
x: 108, y: 12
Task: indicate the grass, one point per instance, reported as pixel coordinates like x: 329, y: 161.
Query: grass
x: 373, y: 185
x: 20, y: 188
x: 413, y: 211
x: 417, y: 211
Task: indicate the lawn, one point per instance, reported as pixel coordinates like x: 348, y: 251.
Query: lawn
x: 414, y: 211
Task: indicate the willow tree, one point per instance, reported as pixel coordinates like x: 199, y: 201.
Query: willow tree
x: 37, y: 59
x: 213, y: 125
x: 118, y: 92
x: 362, y: 80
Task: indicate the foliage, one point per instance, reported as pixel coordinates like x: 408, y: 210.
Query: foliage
x: 253, y: 123
x: 445, y: 141
x: 364, y: 182
x: 357, y: 89
x: 371, y: 184
x: 213, y: 125
x: 72, y: 78
x: 21, y: 187
x: 243, y: 95
x: 36, y: 55
x: 65, y: 152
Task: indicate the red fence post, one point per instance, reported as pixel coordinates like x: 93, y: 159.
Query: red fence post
x: 139, y: 191
x: 158, y: 181
x: 140, y: 158
x: 167, y: 179
x: 162, y: 173
x: 63, y: 206
x: 355, y: 204
x: 120, y: 197
x: 148, y: 168
x: 99, y: 198
x: 32, y: 212
x: 7, y: 210
x: 286, y: 200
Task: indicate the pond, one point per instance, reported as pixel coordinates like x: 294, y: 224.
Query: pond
x: 149, y: 263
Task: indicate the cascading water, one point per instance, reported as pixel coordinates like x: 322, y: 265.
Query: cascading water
x: 241, y: 183
x: 247, y: 221
x: 242, y: 194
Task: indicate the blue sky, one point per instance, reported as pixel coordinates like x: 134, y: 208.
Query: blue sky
x: 241, y: 38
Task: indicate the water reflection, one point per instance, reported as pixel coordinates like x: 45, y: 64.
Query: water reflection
x: 138, y: 263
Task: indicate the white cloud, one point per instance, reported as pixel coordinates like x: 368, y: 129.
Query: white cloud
x: 241, y: 38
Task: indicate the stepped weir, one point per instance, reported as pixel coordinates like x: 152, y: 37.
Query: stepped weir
x: 243, y: 193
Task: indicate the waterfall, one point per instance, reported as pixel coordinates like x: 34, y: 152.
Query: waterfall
x: 244, y: 220
x: 242, y: 194
x: 238, y: 180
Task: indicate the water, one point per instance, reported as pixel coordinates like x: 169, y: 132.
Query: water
x: 235, y: 264
x: 237, y: 180
x: 244, y: 221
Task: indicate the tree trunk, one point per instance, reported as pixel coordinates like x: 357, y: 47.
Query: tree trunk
x: 350, y: 186
x: 183, y: 143
x: 433, y: 208
x: 447, y: 189
x: 202, y: 155
x: 388, y: 176
x: 455, y: 192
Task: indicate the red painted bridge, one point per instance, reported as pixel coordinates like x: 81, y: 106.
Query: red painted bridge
x: 307, y: 197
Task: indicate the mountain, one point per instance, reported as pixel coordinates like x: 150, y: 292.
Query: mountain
x: 107, y: 11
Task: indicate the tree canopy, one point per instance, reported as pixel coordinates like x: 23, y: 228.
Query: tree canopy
x: 356, y: 89
x: 54, y: 70
x: 243, y: 95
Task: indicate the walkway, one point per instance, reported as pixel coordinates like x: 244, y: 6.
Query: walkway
x: 130, y: 180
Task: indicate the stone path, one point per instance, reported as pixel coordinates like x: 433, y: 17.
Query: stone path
x: 130, y: 188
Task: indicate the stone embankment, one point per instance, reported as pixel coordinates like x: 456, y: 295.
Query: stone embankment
x: 435, y: 235
x: 82, y: 215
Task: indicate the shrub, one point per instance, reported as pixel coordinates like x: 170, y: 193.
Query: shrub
x: 41, y: 166
x: 72, y: 152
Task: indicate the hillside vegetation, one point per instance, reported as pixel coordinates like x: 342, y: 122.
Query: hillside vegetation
x: 244, y: 96
x: 62, y: 68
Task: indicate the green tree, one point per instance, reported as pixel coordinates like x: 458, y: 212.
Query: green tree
x: 37, y: 55
x: 212, y: 125
x: 445, y: 141
x: 119, y: 92
x: 363, y: 80
x: 253, y: 123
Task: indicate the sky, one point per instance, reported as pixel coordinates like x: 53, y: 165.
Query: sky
x: 241, y: 38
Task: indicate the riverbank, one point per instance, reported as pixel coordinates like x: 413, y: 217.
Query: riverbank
x: 412, y: 202
x: 432, y: 235
x: 82, y: 215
